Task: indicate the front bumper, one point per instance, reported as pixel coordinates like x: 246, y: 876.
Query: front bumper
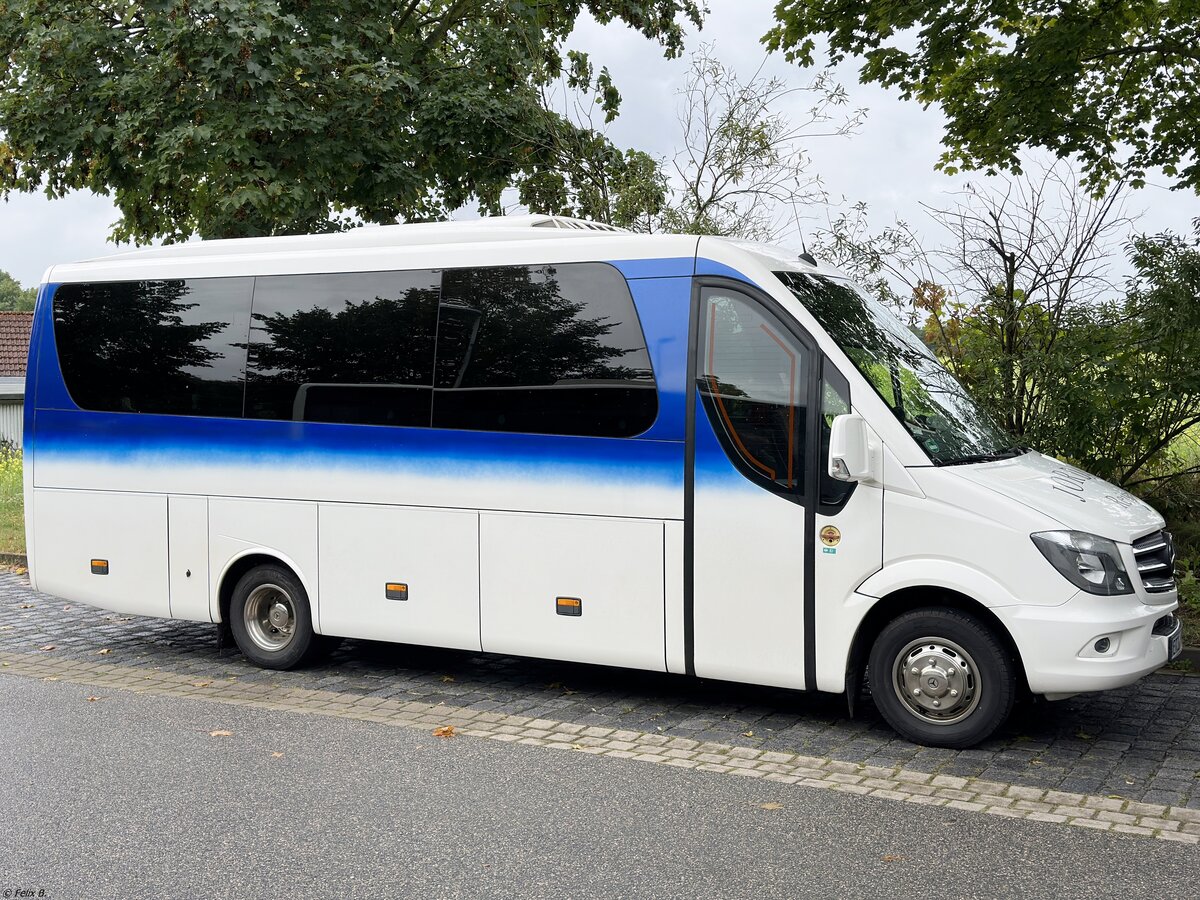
x: 1058, y: 645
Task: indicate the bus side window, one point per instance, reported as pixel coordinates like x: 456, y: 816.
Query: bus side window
x: 351, y: 348
x: 542, y: 350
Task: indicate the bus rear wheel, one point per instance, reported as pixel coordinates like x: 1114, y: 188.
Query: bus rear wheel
x: 271, y: 618
x: 941, y: 677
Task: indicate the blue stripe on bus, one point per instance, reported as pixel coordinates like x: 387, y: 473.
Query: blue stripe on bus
x: 140, y: 439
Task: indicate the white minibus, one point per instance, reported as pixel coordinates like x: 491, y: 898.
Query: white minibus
x: 543, y: 437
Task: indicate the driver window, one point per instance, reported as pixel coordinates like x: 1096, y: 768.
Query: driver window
x: 754, y: 378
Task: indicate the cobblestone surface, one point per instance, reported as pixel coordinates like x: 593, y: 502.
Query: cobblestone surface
x: 1138, y: 745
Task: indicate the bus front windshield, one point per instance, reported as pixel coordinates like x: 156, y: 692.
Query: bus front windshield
x: 924, y: 396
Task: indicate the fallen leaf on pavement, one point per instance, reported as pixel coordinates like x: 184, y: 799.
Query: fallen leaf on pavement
x: 747, y: 734
x: 891, y: 857
x: 277, y: 755
x: 105, y: 651
x: 771, y: 805
x: 444, y: 731
x: 447, y: 678
x: 220, y: 734
x: 92, y: 699
x: 5, y: 627
x: 25, y: 606
x: 65, y: 608
x: 577, y: 746
x: 48, y: 647
x: 201, y: 683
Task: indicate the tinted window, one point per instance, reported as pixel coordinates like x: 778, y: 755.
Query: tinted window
x: 754, y: 380
x: 906, y: 374
x: 354, y: 348
x: 175, y: 347
x: 549, y: 350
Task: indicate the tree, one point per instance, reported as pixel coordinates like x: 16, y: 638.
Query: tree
x: 228, y: 118
x: 1024, y: 259
x: 1134, y: 388
x: 742, y: 170
x: 1111, y: 81
x: 577, y: 171
x: 892, y: 265
x: 13, y: 296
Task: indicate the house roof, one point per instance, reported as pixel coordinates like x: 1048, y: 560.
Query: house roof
x: 14, y: 342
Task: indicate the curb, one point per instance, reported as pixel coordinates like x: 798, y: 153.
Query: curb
x: 14, y: 559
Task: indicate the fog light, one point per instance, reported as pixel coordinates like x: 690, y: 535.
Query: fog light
x: 1102, y: 645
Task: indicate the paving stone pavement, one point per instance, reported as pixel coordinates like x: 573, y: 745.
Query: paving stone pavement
x: 1138, y: 744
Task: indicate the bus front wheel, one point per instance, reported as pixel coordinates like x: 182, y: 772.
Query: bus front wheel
x: 941, y: 677
x: 271, y: 619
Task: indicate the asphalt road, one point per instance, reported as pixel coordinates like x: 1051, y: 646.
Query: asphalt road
x: 132, y: 796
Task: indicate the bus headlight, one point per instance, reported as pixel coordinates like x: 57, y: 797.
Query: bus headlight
x: 1088, y: 561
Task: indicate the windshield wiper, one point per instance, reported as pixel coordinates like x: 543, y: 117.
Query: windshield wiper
x: 1006, y: 453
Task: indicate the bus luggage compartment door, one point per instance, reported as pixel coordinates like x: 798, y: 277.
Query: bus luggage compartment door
x: 612, y: 567
x: 105, y: 548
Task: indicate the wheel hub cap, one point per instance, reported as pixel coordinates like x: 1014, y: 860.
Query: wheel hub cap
x: 270, y: 617
x: 937, y: 681
x: 279, y: 615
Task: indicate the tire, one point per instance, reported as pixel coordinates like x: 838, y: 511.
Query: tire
x: 942, y: 678
x: 271, y: 618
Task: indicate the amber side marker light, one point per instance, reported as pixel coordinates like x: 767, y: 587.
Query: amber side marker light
x: 396, y: 590
x: 99, y: 566
x: 569, y: 606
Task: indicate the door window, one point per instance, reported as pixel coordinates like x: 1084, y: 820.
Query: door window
x: 754, y: 378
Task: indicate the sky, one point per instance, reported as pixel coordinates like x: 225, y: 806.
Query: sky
x: 888, y: 164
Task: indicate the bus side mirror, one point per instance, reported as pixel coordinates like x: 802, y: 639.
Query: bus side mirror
x: 850, y: 457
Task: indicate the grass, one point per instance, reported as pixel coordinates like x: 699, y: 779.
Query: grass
x: 12, y: 502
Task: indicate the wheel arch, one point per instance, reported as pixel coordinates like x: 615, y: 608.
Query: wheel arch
x: 906, y: 599
x: 239, y: 566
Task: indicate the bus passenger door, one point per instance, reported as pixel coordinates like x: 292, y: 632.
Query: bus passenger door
x: 752, y: 512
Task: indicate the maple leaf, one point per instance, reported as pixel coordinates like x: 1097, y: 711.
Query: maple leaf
x: 444, y: 732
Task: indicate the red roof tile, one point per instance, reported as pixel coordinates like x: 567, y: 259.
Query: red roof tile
x: 14, y: 342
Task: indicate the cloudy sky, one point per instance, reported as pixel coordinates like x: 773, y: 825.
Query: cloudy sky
x: 889, y: 163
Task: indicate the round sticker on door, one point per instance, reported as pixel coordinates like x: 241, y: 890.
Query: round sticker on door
x: 830, y: 536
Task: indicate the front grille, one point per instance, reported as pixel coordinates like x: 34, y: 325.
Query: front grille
x: 1155, y: 555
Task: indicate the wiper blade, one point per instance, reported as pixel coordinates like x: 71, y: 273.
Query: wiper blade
x: 1006, y: 453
